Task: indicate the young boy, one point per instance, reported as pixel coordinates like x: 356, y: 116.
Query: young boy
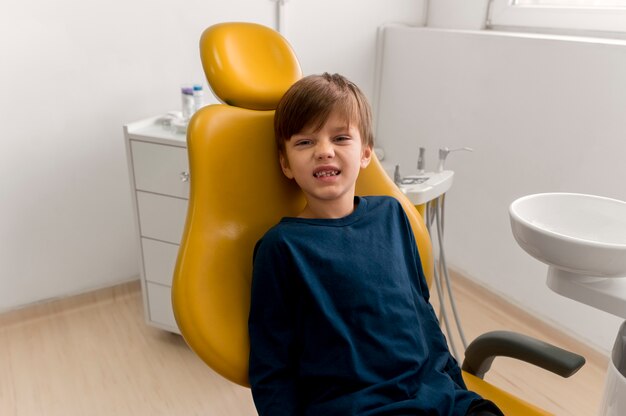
x: 340, y: 322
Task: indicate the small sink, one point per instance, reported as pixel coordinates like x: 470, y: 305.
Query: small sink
x: 583, y: 240
x: 582, y: 234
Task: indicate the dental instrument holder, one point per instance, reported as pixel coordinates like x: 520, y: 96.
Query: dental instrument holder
x: 420, y: 161
x: 397, y: 177
x: 426, y: 191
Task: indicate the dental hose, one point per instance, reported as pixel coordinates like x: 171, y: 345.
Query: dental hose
x: 429, y: 217
x: 439, y: 216
x: 443, y: 315
x: 441, y: 273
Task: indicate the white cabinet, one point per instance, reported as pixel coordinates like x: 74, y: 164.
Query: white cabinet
x: 159, y: 177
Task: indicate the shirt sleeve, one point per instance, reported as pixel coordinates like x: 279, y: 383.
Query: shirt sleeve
x: 271, y: 330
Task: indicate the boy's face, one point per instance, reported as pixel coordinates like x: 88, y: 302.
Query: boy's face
x: 326, y: 163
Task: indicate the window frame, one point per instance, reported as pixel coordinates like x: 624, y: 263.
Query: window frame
x: 602, y: 21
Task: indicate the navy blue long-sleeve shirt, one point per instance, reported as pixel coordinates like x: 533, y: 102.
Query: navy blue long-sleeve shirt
x: 340, y: 322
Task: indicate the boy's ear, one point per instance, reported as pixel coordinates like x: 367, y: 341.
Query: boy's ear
x: 366, y: 156
x: 284, y: 165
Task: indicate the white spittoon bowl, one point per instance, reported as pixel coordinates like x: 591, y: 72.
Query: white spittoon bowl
x: 576, y: 233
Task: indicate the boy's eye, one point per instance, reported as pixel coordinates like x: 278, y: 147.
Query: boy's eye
x: 302, y: 142
x: 342, y: 138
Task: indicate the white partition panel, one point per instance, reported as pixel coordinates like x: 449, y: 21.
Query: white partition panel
x: 542, y: 113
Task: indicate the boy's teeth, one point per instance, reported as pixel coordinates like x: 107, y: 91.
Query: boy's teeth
x: 327, y: 173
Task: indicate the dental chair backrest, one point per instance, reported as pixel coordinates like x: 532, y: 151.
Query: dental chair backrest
x: 238, y: 191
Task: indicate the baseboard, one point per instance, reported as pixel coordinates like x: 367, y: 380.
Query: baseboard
x: 56, y: 306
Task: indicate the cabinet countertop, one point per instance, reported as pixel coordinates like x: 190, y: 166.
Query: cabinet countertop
x: 150, y: 129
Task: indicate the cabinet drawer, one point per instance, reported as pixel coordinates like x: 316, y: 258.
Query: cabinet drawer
x: 159, y: 260
x: 160, y: 306
x: 160, y: 168
x: 161, y: 217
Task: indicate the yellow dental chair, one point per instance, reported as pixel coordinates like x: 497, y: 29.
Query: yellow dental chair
x: 238, y: 192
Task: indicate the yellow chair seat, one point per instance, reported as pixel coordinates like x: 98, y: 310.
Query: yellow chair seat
x: 509, y: 404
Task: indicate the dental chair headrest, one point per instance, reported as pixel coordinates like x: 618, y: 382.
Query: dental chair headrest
x: 248, y: 65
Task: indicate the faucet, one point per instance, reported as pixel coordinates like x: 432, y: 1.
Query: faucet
x: 443, y: 154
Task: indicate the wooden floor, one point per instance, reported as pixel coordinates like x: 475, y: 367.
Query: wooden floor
x: 94, y: 355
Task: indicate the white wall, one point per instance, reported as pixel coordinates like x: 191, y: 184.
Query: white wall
x: 457, y: 14
x: 340, y: 36
x: 543, y: 114
x: 73, y: 73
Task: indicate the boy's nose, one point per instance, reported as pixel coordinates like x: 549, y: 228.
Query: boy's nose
x: 324, y: 150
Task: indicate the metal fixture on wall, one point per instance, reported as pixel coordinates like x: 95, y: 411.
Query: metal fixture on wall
x: 280, y: 16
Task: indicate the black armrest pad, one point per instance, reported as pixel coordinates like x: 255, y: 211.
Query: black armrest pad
x: 483, y: 350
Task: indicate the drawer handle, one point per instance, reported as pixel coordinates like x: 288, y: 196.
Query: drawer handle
x: 184, y: 176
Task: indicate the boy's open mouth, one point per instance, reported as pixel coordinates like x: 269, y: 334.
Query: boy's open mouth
x: 326, y: 173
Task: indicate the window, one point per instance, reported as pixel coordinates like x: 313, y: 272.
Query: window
x: 603, y: 17
x: 596, y: 4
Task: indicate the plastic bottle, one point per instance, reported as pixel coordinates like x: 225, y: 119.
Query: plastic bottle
x: 198, y: 96
x: 188, y: 102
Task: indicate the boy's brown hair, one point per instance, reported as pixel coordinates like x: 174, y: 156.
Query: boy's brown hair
x: 309, y: 102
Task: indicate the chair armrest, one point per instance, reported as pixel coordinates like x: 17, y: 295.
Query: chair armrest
x: 483, y: 350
